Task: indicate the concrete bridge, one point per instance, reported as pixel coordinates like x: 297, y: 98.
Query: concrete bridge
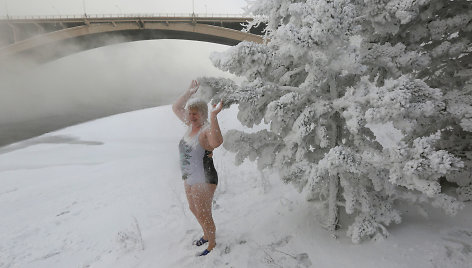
x: 46, y: 38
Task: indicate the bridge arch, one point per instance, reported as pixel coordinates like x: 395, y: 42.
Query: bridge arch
x: 69, y: 40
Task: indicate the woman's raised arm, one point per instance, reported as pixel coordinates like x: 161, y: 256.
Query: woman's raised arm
x: 179, y: 106
x: 215, y: 139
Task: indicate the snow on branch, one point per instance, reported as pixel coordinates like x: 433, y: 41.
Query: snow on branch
x: 332, y: 70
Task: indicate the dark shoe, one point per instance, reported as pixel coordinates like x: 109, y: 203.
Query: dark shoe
x: 200, y: 242
x: 204, y: 253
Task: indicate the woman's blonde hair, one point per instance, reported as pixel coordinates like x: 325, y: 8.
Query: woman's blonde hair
x: 200, y: 105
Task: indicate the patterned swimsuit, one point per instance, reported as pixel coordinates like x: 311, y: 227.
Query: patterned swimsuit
x: 195, y: 162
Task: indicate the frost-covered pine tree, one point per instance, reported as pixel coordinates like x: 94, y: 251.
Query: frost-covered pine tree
x: 330, y: 74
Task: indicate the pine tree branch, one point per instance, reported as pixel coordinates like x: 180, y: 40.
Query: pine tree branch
x: 294, y: 89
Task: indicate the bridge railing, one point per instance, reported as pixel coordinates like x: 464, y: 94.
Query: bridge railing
x: 127, y: 15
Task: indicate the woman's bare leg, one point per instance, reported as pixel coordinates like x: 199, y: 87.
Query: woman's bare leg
x: 192, y: 206
x: 188, y: 193
x: 203, y: 197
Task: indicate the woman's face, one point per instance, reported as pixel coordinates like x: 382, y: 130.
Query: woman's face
x: 194, y: 116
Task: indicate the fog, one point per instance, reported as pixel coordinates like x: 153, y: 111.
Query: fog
x: 96, y: 83
x: 35, y: 99
x: 56, y: 7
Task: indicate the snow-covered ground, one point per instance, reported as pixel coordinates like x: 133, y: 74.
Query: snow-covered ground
x: 108, y: 193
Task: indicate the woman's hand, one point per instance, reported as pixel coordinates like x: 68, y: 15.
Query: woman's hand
x: 217, y: 108
x: 179, y: 106
x: 192, y: 89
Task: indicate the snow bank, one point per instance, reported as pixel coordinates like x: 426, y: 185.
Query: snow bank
x: 108, y: 193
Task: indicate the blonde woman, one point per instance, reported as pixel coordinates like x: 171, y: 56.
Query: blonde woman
x: 198, y: 172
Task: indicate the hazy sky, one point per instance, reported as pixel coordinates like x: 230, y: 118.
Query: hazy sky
x: 109, y: 79
x: 54, y: 7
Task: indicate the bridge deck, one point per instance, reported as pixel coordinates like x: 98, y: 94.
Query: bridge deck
x: 127, y: 17
x: 14, y: 29
x: 46, y: 36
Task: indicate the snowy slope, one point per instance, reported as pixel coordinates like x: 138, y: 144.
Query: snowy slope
x: 108, y: 193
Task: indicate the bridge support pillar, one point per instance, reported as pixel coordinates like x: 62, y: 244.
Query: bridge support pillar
x: 40, y: 28
x: 140, y: 23
x: 13, y: 31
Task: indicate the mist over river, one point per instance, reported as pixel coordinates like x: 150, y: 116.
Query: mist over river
x: 12, y: 132
x: 36, y: 99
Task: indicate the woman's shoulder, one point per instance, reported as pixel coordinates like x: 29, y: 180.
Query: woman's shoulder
x: 205, y: 128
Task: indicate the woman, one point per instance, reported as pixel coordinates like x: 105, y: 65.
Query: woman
x: 199, y: 174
